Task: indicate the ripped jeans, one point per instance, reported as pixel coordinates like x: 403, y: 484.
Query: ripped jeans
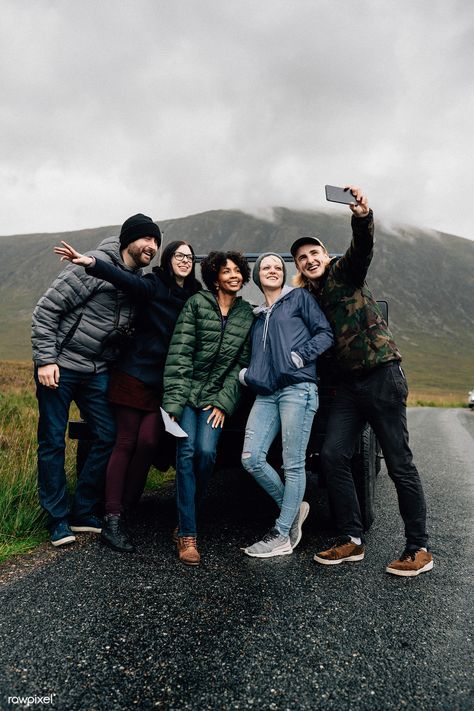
x: 292, y: 410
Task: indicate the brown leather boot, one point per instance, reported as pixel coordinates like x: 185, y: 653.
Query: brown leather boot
x: 187, y: 550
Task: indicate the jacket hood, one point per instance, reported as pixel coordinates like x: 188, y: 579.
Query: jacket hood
x: 189, y: 289
x: 164, y: 277
x: 110, y: 247
x: 263, y: 307
x: 267, y: 311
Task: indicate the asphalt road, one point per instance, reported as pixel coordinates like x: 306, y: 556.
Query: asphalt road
x: 100, y: 630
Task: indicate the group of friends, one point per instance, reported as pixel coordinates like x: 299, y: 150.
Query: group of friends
x: 125, y: 345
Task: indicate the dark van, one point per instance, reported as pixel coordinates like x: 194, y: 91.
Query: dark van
x: 366, y: 461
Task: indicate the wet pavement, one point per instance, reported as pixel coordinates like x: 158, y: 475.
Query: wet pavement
x: 102, y: 630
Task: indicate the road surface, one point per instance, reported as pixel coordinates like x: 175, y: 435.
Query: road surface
x: 92, y: 629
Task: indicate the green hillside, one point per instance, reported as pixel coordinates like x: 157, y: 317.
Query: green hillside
x: 426, y: 276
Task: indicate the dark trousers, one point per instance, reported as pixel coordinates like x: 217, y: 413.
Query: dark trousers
x: 139, y: 433
x: 90, y: 394
x: 380, y: 399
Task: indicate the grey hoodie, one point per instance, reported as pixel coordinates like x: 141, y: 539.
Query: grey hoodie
x: 267, y: 310
x: 73, y: 318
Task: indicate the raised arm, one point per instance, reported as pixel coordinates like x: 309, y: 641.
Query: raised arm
x: 132, y: 284
x: 353, y: 266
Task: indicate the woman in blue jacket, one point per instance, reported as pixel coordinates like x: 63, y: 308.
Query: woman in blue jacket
x: 136, y: 383
x: 289, y: 333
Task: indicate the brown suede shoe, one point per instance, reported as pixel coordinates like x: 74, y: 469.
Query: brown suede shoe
x: 341, y: 552
x: 411, y: 563
x: 187, y: 550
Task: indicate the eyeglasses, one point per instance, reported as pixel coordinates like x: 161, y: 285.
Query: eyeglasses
x: 181, y: 257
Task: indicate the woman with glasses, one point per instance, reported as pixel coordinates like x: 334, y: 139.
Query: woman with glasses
x: 136, y: 384
x: 208, y: 349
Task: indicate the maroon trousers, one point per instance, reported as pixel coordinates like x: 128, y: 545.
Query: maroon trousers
x: 138, y: 435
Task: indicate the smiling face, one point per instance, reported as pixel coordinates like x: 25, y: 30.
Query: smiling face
x: 311, y: 261
x: 271, y: 273
x: 182, y: 262
x: 229, y: 278
x: 142, y: 251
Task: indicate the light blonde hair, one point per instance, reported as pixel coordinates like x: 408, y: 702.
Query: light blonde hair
x: 300, y: 281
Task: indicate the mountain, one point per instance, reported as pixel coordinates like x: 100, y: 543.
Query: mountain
x: 426, y: 276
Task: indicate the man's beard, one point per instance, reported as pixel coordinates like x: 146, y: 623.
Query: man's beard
x: 138, y: 257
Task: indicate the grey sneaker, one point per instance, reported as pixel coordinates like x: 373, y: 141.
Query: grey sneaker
x: 295, y: 530
x: 273, y: 543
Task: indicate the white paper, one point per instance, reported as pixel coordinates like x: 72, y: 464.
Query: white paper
x: 171, y: 426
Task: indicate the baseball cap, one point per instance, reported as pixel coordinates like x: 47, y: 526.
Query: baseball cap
x: 305, y: 240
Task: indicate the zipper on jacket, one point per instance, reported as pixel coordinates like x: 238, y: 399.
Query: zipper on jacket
x: 218, y: 309
x: 69, y: 335
x: 212, y: 364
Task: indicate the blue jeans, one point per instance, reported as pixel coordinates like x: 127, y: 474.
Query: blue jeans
x: 89, y: 391
x: 292, y: 410
x: 195, y: 459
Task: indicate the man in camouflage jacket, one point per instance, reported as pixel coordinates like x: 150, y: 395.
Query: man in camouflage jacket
x: 372, y: 389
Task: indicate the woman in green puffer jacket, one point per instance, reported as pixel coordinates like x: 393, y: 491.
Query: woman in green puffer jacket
x: 209, y: 346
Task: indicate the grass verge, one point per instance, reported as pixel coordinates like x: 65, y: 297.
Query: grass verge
x: 427, y: 398
x: 22, y: 521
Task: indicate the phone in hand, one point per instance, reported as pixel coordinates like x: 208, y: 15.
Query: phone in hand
x: 342, y: 195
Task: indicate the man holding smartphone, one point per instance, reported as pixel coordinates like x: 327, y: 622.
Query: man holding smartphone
x: 372, y: 389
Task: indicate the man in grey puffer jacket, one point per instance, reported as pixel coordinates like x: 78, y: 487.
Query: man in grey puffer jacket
x: 74, y: 323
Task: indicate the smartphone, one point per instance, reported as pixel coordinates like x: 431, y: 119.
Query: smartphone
x: 343, y: 195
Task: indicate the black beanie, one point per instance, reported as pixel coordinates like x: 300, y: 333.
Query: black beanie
x: 138, y: 226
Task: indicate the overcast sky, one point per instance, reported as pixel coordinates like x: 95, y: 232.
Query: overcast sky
x: 171, y: 107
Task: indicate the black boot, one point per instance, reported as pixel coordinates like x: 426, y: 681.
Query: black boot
x: 115, y: 535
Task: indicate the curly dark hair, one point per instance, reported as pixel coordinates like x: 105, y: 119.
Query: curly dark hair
x: 213, y: 263
x: 191, y: 284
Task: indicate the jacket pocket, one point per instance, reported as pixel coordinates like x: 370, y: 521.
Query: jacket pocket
x: 260, y: 378
x: 285, y: 365
x: 70, y: 334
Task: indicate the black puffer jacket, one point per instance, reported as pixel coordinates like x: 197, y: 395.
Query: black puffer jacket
x: 158, y: 301
x: 72, y: 320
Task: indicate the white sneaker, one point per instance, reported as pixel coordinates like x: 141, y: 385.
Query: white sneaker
x: 272, y: 544
x: 295, y: 530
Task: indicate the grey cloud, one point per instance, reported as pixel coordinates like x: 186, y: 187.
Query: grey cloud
x: 174, y: 108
